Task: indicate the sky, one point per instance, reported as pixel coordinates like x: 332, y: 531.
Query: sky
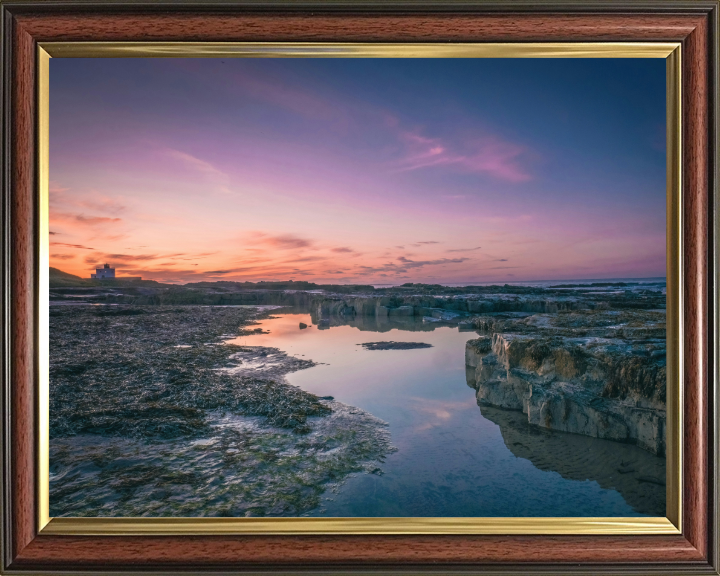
x: 347, y: 171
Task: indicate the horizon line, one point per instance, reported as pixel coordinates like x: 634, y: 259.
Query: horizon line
x: 390, y: 284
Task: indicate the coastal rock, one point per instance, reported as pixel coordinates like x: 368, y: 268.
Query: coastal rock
x: 159, y: 414
x: 239, y: 467
x: 476, y: 350
x: 394, y: 345
x: 340, y: 301
x: 401, y: 311
x: 600, y: 374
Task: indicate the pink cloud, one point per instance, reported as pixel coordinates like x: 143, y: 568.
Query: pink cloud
x: 78, y: 246
x: 498, y: 158
x: 488, y: 154
x: 282, y: 241
x: 293, y: 96
x: 465, y: 249
x: 102, y: 204
x: 407, y: 264
x: 57, y: 188
x: 208, y: 170
x: 81, y: 219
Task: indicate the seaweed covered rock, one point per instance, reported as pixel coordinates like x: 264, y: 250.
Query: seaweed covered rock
x: 153, y: 413
x: 239, y: 467
x: 154, y: 371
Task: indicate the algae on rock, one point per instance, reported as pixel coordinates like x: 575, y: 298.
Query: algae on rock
x: 153, y: 414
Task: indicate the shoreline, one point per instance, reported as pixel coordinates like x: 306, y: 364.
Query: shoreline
x: 160, y: 379
x: 175, y: 439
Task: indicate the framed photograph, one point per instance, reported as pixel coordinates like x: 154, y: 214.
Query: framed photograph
x: 360, y: 287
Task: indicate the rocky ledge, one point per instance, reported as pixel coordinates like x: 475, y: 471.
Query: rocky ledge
x: 599, y: 373
x: 394, y: 345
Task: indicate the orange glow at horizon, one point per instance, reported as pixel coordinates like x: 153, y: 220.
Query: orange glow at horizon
x: 356, y: 172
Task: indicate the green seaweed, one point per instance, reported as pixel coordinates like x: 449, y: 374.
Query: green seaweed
x: 152, y: 414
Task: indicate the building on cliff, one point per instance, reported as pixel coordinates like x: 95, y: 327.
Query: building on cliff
x: 107, y: 273
x: 103, y: 273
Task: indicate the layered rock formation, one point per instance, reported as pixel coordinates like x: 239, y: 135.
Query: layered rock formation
x: 432, y: 302
x: 458, y: 308
x: 596, y: 373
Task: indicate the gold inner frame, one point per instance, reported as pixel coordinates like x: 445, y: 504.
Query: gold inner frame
x: 671, y: 524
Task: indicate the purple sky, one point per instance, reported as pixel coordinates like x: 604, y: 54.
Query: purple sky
x: 358, y: 170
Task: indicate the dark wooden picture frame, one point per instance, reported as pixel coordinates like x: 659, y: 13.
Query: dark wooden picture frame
x: 693, y: 23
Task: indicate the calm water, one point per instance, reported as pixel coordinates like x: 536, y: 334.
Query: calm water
x: 452, y: 460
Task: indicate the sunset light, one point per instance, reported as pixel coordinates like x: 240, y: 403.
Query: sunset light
x: 358, y: 171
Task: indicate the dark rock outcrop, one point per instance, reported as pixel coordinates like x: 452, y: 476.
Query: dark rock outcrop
x: 394, y: 345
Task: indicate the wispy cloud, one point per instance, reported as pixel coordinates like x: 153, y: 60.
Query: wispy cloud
x: 63, y: 200
x: 120, y: 258
x: 124, y: 260
x: 94, y: 220
x: 285, y: 93
x: 465, y: 249
x: 82, y: 219
x: 307, y: 157
x: 207, y: 169
x: 282, y: 241
x: 487, y: 154
x: 406, y: 264
x: 301, y: 100
x: 191, y: 257
x: 78, y: 246
x: 56, y: 188
x: 103, y: 205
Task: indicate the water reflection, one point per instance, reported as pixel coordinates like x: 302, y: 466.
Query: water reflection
x: 376, y: 323
x: 453, y: 458
x: 637, y: 474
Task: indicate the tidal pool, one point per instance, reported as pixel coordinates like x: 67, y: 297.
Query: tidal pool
x: 453, y: 457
